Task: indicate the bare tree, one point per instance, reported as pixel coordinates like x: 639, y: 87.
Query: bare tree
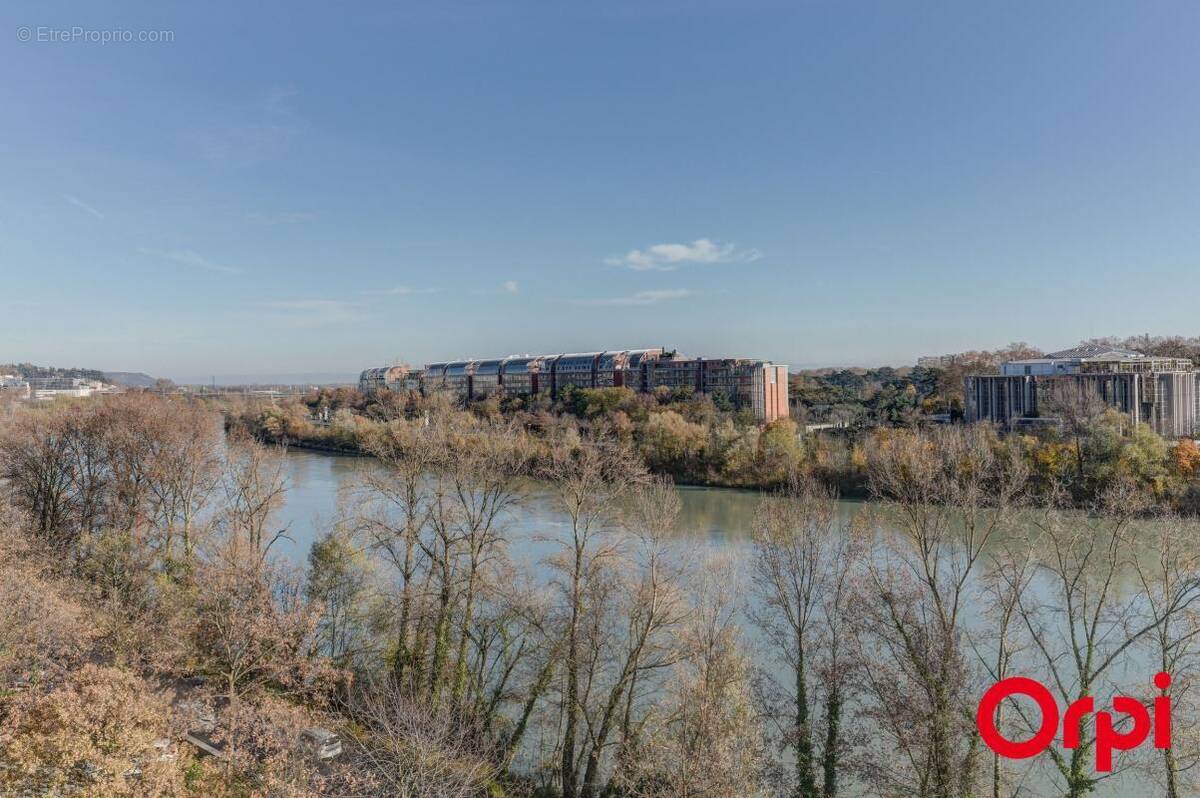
x: 412, y: 748
x: 252, y: 627
x: 803, y: 562
x: 1086, y: 623
x: 184, y: 471
x: 706, y: 742
x: 39, y: 467
x: 1000, y: 642
x: 588, y: 479
x: 396, y: 503
x: 638, y: 639
x: 1167, y: 573
x: 255, y: 485
x: 945, y: 496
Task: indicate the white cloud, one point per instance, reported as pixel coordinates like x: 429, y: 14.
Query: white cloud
x: 186, y: 257
x: 510, y: 286
x: 640, y: 298
x: 669, y: 257
x: 78, y: 203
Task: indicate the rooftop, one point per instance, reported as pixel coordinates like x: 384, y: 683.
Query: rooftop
x: 1096, y: 352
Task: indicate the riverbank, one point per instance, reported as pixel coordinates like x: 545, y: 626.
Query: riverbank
x: 692, y: 441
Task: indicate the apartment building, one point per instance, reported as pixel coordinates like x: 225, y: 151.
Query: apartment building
x: 1160, y: 392
x: 746, y: 384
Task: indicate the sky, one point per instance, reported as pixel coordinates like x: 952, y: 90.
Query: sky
x: 283, y: 188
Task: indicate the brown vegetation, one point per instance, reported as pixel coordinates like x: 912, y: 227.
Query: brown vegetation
x: 141, y: 599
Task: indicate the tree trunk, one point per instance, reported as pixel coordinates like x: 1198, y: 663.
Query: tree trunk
x: 833, y: 741
x: 806, y: 783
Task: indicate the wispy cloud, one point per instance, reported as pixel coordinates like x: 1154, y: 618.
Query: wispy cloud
x: 510, y: 286
x: 294, y: 217
x: 313, y: 312
x: 186, y: 257
x: 399, y: 290
x: 669, y: 257
x: 262, y: 132
x: 83, y: 206
x: 640, y: 298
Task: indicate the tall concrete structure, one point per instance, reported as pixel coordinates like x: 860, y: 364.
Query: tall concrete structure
x: 1160, y: 392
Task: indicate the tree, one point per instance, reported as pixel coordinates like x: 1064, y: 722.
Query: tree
x: 707, y: 742
x: 647, y: 609
x: 414, y: 749
x: 588, y: 479
x: 184, y: 471
x: 337, y: 582
x: 1168, y: 579
x: 396, y: 506
x: 39, y: 467
x: 254, y: 484
x: 671, y: 444
x: 803, y: 562
x: 1186, y: 457
x: 779, y: 453
x: 1083, y: 624
x: 945, y: 495
x: 251, y: 627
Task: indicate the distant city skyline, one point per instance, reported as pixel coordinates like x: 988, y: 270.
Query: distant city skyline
x: 314, y: 191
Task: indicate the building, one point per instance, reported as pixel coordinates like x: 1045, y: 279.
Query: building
x: 12, y: 385
x: 937, y: 361
x: 390, y: 377
x: 1160, y: 392
x: 521, y: 376
x: 48, y: 388
x: 743, y: 384
x: 487, y: 377
x: 752, y: 384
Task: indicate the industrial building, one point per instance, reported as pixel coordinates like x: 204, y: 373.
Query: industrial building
x: 1161, y: 392
x: 745, y: 384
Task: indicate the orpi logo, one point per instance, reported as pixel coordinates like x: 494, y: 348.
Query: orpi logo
x: 1108, y: 737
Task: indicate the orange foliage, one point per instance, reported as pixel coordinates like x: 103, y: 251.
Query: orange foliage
x: 1186, y: 457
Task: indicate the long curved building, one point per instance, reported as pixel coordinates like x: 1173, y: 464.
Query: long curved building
x: 744, y: 384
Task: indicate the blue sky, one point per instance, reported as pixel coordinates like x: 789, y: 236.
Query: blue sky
x: 313, y: 188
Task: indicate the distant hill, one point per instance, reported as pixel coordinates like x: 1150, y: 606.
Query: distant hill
x: 130, y: 379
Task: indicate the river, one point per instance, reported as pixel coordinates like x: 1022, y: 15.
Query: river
x: 711, y: 519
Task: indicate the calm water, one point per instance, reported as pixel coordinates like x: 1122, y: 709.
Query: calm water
x: 713, y: 517
x: 712, y: 520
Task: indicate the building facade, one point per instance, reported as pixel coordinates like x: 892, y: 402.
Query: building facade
x: 757, y: 386
x: 389, y: 377
x: 1160, y: 392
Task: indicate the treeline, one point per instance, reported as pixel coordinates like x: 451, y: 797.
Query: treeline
x: 690, y: 439
x: 684, y: 435
x: 860, y: 398
x: 140, y: 599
